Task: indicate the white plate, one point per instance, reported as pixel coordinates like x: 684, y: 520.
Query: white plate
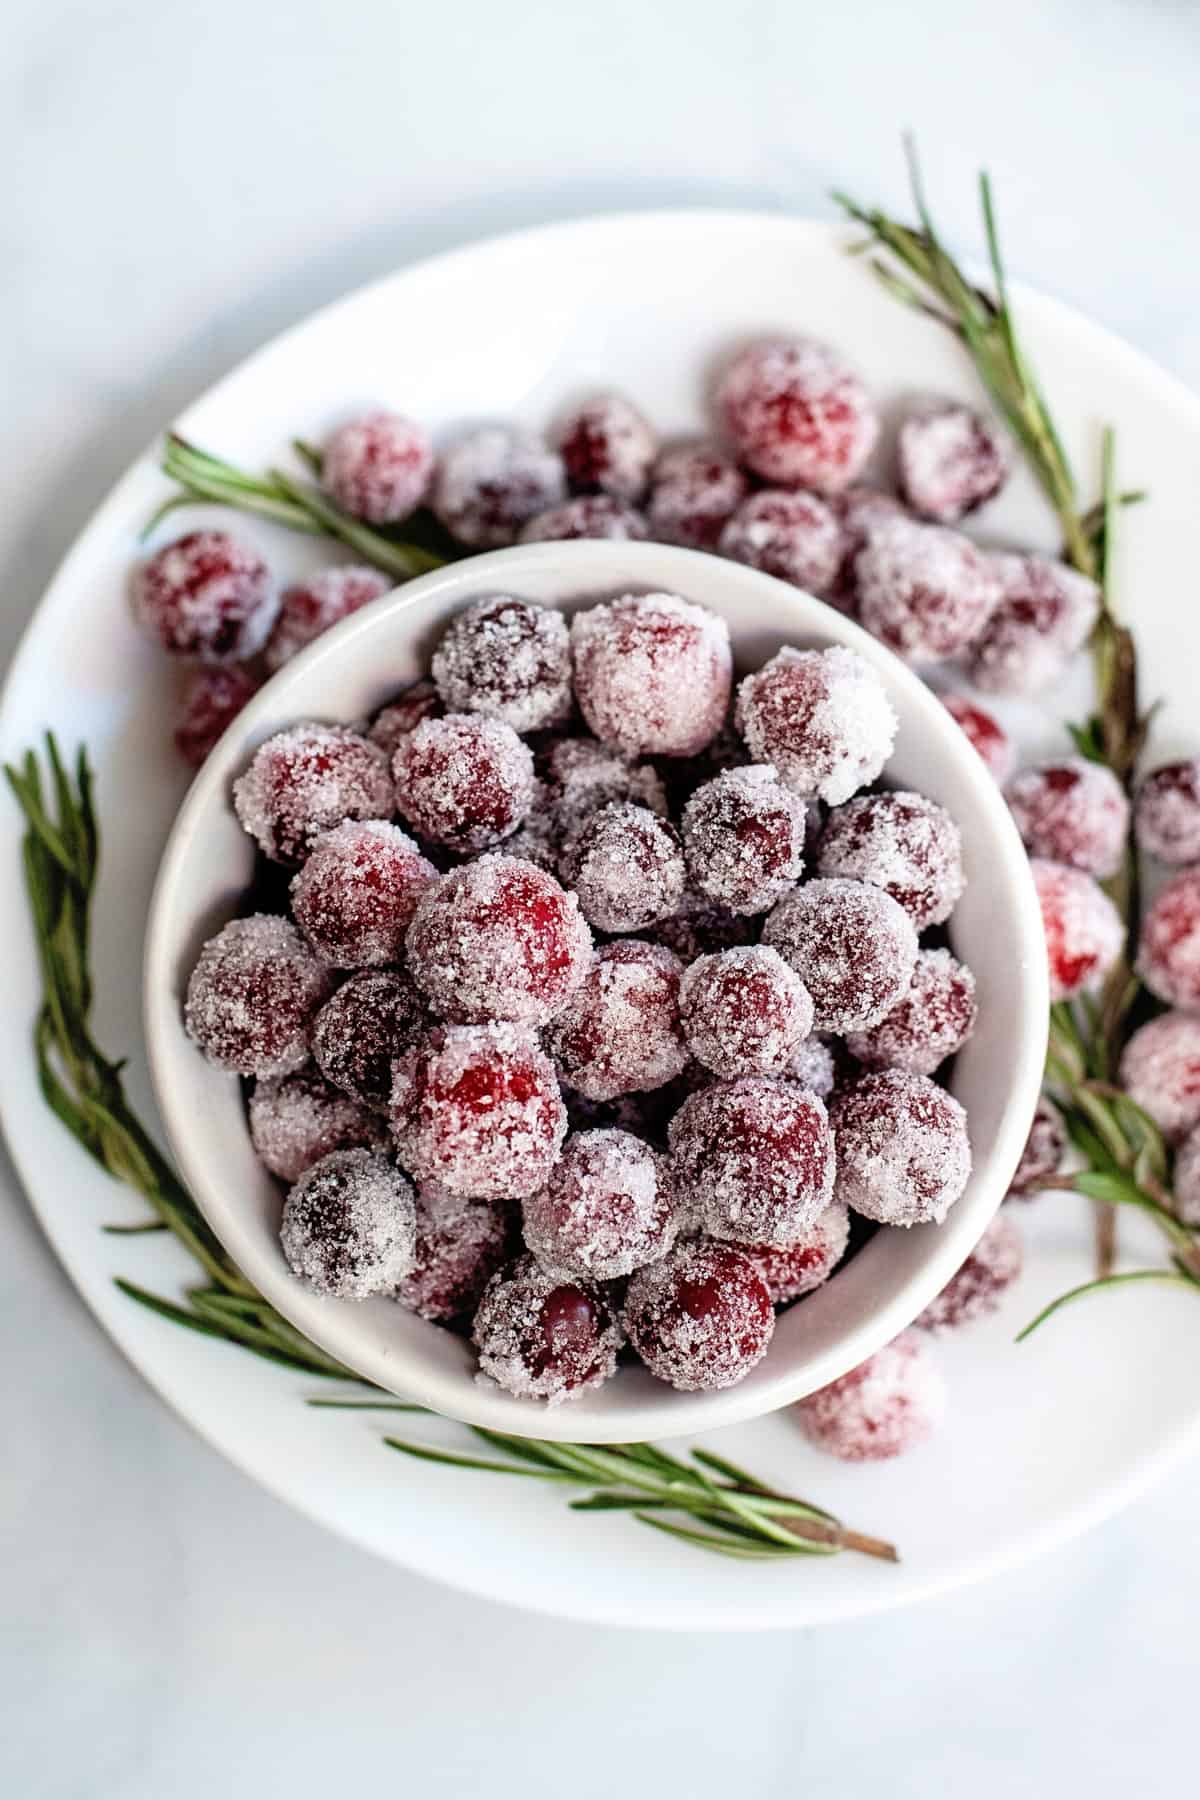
x: 1045, y: 1438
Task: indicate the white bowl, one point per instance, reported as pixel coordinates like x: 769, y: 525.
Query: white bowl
x: 996, y: 929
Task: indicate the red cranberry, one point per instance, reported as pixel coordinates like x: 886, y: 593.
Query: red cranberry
x: 319, y: 603
x: 543, y: 1338
x: 621, y: 1033
x: 932, y: 1021
x: 297, y: 1119
x: 1045, y: 614
x: 652, y: 673
x: 1167, y: 812
x: 797, y: 414
x: 582, y: 775
x: 1160, y: 1071
x: 626, y: 866
x: 859, y: 511
x: 1072, y: 812
x: 372, y: 1020
x: 607, y: 1209
x: 925, y: 592
x: 304, y: 781
x: 506, y: 659
x: 356, y: 894
x: 801, y: 1267
x: 700, y: 1318
x: 743, y: 836
x: 213, y: 699
x: 952, y: 459
x: 491, y: 482
x: 1187, y: 1179
x: 252, y: 997
x: 986, y: 734
x: 851, y: 945
x: 1045, y: 1148
x: 378, y: 467
x: 979, y: 1286
x: 904, y: 1156
x: 1084, y: 933
x: 793, y: 536
x: 696, y: 490
x: 417, y: 702
x: 349, y: 1225
x: 889, y: 1405
x: 587, y: 516
x: 744, y: 1011
x: 607, y: 448
x: 903, y: 843
x: 1169, y: 950
x: 821, y: 717
x: 463, y: 781
x: 206, y: 595
x: 460, y: 1245
x: 755, y: 1157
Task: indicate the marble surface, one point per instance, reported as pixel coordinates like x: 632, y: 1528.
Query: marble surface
x: 182, y: 181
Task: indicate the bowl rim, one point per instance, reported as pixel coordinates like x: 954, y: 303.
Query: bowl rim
x: 583, y: 566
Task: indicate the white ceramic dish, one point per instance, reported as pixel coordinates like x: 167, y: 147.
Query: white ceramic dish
x: 996, y: 929
x: 1043, y: 1441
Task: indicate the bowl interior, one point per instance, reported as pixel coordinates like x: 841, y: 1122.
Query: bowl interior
x: 996, y: 929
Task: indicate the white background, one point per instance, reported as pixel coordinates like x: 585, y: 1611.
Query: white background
x: 180, y: 181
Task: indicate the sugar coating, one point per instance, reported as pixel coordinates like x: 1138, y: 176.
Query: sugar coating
x: 349, y: 1225
x: 607, y: 447
x: 492, y: 481
x: 418, y: 701
x: 1083, y: 929
x: 986, y: 733
x: 932, y: 1020
x: 653, y: 673
x: 463, y: 781
x: 316, y: 605
x: 1186, y: 1180
x: 206, y: 595
x: 606, y: 1210
x: 952, y: 459
x: 1160, y: 1071
x: 626, y: 866
x: 543, y: 1338
x: 587, y: 516
x: 755, y: 1157
x: 903, y: 1153
x: 979, y: 1286
x: 498, y: 939
x: 1045, y: 614
x: 460, y: 1245
x: 476, y: 1108
x: 822, y: 718
x: 794, y: 536
x: 890, y: 1404
x: 743, y: 837
x: 252, y: 996
x: 811, y: 1066
x: 1168, y: 958
x: 211, y: 701
x: 304, y: 781
x: 507, y: 659
x: 297, y: 1119
x: 797, y: 414
x: 1072, y: 811
x: 924, y: 591
x: 851, y: 945
x: 371, y: 1021
x: 356, y: 894
x: 1045, y: 1148
x: 696, y: 489
x: 621, y: 1032
x: 701, y: 1317
x: 804, y: 1266
x: 1167, y: 812
x: 903, y: 843
x: 744, y: 1011
x: 378, y: 467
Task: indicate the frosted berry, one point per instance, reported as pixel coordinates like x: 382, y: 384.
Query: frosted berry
x: 901, y: 842
x: 1083, y: 929
x: 316, y: 605
x: 1045, y: 614
x: 890, y: 1404
x: 924, y: 591
x: 1167, y: 812
x: 212, y: 700
x: 356, y: 894
x: 371, y: 1021
x: 1072, y: 812
x: 952, y: 459
x: 652, y: 673
x: 498, y: 939
x: 463, y: 781
x: 744, y: 1011
x: 904, y: 1156
x: 797, y: 414
x: 378, y: 467
x: 621, y: 1032
x: 587, y: 516
x: 821, y: 717
x: 582, y: 775
x: 859, y: 511
x: 851, y: 945
x: 349, y: 1225
x: 1186, y: 1180
x: 743, y: 837
x: 1045, y: 1148
x: 696, y: 490
x: 297, y: 1119
x: 755, y: 1157
x: 626, y: 867
x: 801, y: 1267
x: 1160, y: 1071
x: 402, y: 716
x: 476, y: 1108
x: 491, y: 482
x: 1169, y: 950
x: 542, y: 1338
x: 931, y: 1022
x: 607, y: 1209
x: 812, y: 1066
x: 793, y: 536
x: 461, y: 1244
x: 607, y: 447
x: 986, y: 734
x: 980, y: 1285
x: 701, y: 1317
x: 507, y: 659
x: 304, y: 781
x: 252, y: 996
x: 206, y: 595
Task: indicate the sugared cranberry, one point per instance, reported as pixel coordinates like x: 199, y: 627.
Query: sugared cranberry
x: 985, y: 732
x: 851, y: 945
x: 304, y: 781
x: 1167, y: 812
x: 1160, y: 1071
x: 1186, y: 1182
x: 1045, y: 614
x: 206, y: 595
x: 812, y: 1066
x: 859, y: 511
x: 793, y: 536
x: 797, y: 414
x: 463, y: 781
x: 498, y: 939
x: 701, y: 1317
x: 297, y: 1119
x: 932, y: 1021
x: 743, y: 837
x: 318, y: 604
x: 212, y: 700
x: 626, y: 867
x: 821, y: 717
x: 1072, y: 812
x: 1084, y: 933
x: 652, y: 673
x: 543, y: 1338
x: 372, y: 1020
x: 460, y: 1245
x: 696, y: 490
x: 582, y: 775
x: 507, y: 659
x: 491, y: 482
x: 903, y: 843
x: 801, y: 1267
x: 356, y: 894
x: 252, y: 996
x: 476, y: 1108
x: 349, y: 1225
x: 952, y: 459
x: 621, y: 1032
x: 1045, y: 1148
x: 889, y: 1405
x: 607, y: 447
x: 401, y: 716
x: 744, y: 1011
x: 607, y: 1209
x: 378, y: 467
x: 924, y: 591
x: 1169, y: 950
x: 979, y: 1286
x: 755, y: 1157
x: 904, y: 1156
x: 587, y: 516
